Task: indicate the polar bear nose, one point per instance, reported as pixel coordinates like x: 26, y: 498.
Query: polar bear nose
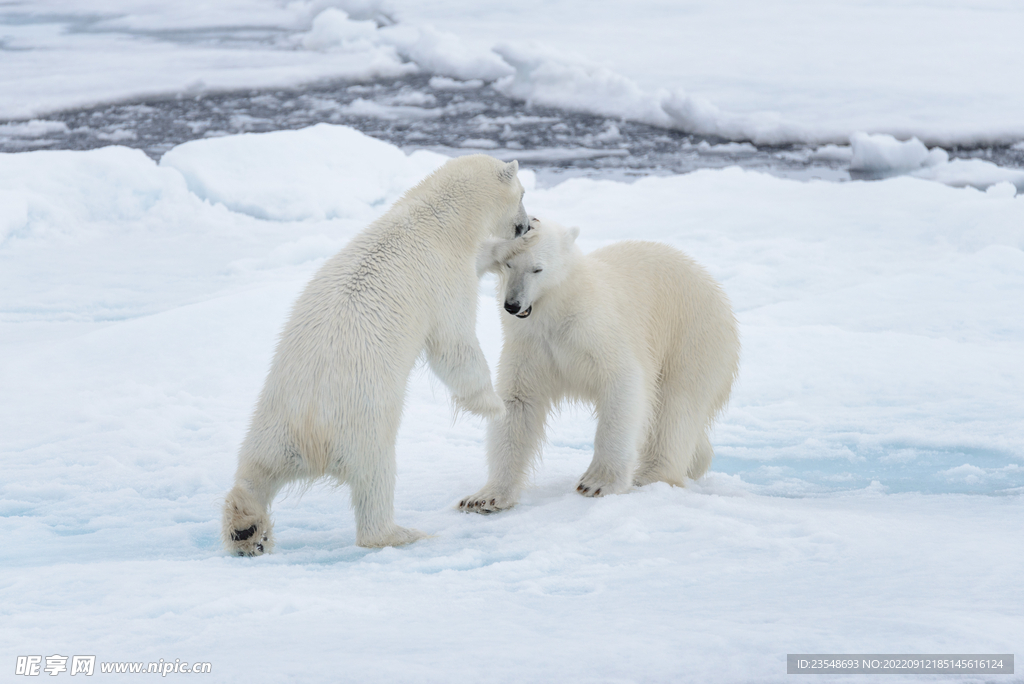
x: 512, y: 307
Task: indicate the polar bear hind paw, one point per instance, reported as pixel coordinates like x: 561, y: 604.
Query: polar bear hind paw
x: 246, y: 529
x: 254, y: 540
x: 248, y: 543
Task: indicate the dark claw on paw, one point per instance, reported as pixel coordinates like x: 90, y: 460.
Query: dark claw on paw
x: 492, y: 502
x: 597, y: 492
x: 579, y: 488
x: 259, y: 547
x: 242, y: 535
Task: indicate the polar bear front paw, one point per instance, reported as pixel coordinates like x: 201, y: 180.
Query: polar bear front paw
x: 598, y: 484
x: 396, y: 536
x: 486, y: 404
x: 488, y: 500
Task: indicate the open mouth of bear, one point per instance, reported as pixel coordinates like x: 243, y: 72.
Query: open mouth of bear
x: 525, y: 312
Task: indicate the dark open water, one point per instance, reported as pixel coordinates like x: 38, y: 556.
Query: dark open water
x: 412, y: 114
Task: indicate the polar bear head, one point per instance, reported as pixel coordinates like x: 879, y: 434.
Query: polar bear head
x: 538, y: 266
x: 483, y: 192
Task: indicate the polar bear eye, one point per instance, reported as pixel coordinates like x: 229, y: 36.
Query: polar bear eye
x: 537, y: 270
x: 508, y: 265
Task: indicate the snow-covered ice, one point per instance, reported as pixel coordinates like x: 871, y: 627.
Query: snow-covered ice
x: 883, y: 153
x: 256, y: 174
x: 893, y: 79
x: 976, y: 173
x: 777, y: 72
x: 866, y: 494
x: 784, y: 72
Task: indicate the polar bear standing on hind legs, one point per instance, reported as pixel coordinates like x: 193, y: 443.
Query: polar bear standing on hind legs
x: 636, y: 328
x: 332, y: 401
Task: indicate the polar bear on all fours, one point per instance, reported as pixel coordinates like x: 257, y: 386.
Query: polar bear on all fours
x: 332, y: 401
x: 637, y: 329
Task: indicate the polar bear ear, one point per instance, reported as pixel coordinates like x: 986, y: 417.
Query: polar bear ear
x: 509, y: 171
x: 571, y: 235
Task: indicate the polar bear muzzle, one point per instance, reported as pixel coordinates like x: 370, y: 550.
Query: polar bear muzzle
x: 516, y: 309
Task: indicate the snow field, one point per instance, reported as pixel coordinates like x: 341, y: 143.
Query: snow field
x: 880, y: 377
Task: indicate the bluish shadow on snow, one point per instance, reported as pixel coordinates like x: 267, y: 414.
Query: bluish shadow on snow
x: 896, y: 467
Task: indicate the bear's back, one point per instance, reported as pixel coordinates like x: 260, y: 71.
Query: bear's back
x: 660, y: 290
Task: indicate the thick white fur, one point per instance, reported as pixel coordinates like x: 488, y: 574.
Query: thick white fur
x: 332, y: 401
x: 637, y: 329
